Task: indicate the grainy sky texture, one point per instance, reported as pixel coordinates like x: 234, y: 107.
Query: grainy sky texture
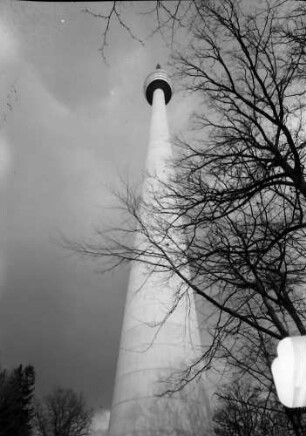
x: 71, y: 126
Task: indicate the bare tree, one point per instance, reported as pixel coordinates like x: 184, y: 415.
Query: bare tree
x: 240, y: 188
x: 62, y: 413
x: 169, y: 19
x: 238, y: 194
x: 245, y: 410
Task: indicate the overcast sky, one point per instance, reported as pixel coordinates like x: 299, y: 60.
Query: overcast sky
x: 75, y: 127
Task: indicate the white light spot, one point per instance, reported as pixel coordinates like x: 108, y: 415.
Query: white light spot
x: 63, y: 21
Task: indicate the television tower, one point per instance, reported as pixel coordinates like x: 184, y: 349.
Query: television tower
x: 157, y: 342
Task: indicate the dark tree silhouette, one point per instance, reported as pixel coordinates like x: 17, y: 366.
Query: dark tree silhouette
x: 245, y: 410
x: 16, y: 401
x: 62, y: 413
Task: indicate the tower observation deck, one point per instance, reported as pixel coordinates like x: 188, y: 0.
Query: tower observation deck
x: 159, y: 79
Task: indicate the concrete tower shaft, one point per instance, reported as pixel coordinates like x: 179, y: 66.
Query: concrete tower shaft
x: 156, y: 341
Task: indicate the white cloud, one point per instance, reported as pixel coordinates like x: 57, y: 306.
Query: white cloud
x: 100, y: 423
x: 8, y: 46
x: 5, y: 159
x: 10, y: 70
x: 2, y: 273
